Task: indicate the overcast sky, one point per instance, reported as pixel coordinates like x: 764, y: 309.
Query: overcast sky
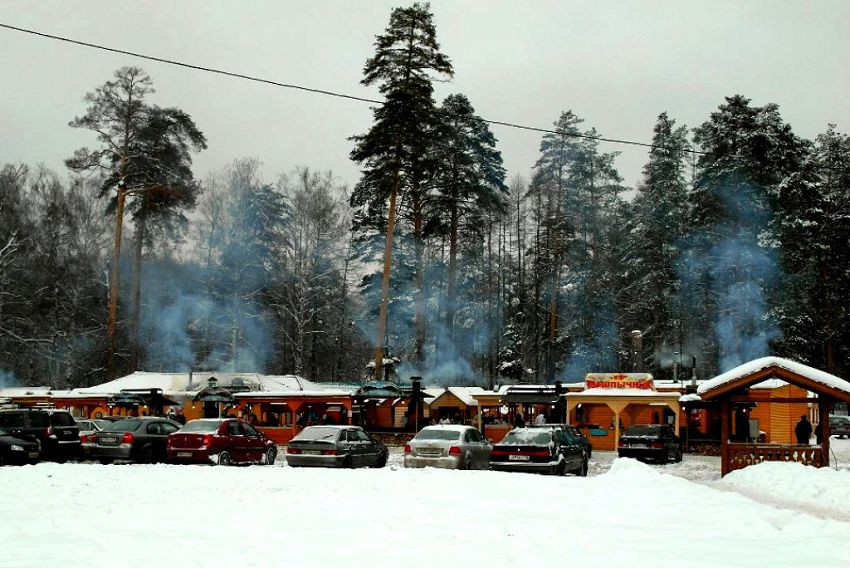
x: 615, y: 64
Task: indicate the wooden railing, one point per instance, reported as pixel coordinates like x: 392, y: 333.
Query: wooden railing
x: 740, y: 455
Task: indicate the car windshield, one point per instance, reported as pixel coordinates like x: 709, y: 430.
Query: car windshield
x: 201, y: 426
x: 437, y: 434
x: 61, y: 419
x: 317, y: 433
x: 123, y: 426
x: 528, y: 437
x: 642, y: 431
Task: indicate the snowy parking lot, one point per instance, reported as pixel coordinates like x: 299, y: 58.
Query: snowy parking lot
x: 624, y: 514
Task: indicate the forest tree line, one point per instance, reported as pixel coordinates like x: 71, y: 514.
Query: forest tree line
x: 733, y: 246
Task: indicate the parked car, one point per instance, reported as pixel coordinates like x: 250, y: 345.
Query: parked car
x: 448, y: 446
x: 839, y: 426
x: 17, y: 451
x: 650, y: 441
x: 54, y: 430
x: 583, y: 440
x: 89, y: 429
x: 549, y: 448
x: 138, y: 439
x: 335, y: 446
x: 220, y: 441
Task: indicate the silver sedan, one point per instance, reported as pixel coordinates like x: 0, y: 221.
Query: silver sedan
x: 448, y: 446
x: 335, y: 446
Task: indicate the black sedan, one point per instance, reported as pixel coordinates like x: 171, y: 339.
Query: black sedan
x: 547, y: 448
x: 141, y: 440
x: 650, y: 441
x: 15, y: 451
x: 335, y: 446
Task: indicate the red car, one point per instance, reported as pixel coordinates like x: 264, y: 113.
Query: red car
x: 220, y: 441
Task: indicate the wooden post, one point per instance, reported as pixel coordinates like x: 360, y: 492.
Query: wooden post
x: 824, y: 408
x: 724, y: 437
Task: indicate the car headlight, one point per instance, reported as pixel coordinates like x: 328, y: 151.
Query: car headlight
x: 17, y: 448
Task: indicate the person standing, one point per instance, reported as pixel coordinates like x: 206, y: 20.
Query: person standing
x: 803, y: 431
x: 540, y: 419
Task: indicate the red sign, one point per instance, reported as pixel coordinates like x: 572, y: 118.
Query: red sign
x: 619, y: 381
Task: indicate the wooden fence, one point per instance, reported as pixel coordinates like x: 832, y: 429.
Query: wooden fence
x: 742, y: 455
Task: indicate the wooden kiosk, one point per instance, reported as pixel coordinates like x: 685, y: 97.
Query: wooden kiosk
x: 732, y: 389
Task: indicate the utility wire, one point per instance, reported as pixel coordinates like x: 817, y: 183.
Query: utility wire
x: 325, y: 92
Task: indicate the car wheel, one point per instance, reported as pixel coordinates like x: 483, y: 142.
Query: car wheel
x: 224, y: 458
x: 382, y: 460
x: 146, y: 455
x: 678, y: 457
x: 346, y: 462
x: 270, y: 456
x: 582, y: 470
x: 2, y: 460
x: 561, y: 468
x: 106, y: 461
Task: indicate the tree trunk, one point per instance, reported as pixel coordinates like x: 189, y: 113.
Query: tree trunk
x: 385, y: 284
x: 113, y: 285
x: 136, y: 293
x: 419, y: 344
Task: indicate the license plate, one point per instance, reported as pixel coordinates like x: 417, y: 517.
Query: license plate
x: 311, y: 452
x: 516, y: 458
x: 184, y: 454
x: 108, y: 440
x: 33, y: 455
x: 637, y: 445
x: 430, y: 452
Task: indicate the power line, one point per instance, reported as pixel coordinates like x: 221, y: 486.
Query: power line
x: 323, y: 91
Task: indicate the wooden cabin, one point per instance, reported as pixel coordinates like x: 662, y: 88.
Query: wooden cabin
x: 734, y: 397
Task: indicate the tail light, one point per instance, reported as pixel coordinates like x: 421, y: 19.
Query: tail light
x: 497, y: 452
x: 291, y: 450
x: 85, y: 439
x: 169, y: 443
x: 206, y: 441
x: 48, y: 432
x: 454, y: 451
x: 622, y: 444
x: 407, y: 449
x: 128, y: 438
x: 329, y: 452
x: 656, y: 445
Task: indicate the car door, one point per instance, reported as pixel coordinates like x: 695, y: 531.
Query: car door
x: 156, y: 437
x: 478, y: 447
x: 236, y: 441
x: 571, y: 449
x: 368, y: 448
x: 351, y: 446
x: 254, y: 446
x: 167, y: 428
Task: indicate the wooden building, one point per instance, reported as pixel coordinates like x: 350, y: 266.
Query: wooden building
x: 734, y: 396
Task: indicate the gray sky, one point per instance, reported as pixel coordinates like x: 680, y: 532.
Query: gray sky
x: 615, y: 64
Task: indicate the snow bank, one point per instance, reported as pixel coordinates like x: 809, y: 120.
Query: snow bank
x: 634, y: 516
x: 820, y: 487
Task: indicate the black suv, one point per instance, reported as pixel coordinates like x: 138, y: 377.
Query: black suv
x: 55, y: 431
x: 650, y: 441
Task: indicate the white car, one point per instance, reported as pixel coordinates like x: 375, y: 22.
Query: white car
x: 448, y: 446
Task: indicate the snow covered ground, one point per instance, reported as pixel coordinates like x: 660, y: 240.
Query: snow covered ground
x: 624, y: 514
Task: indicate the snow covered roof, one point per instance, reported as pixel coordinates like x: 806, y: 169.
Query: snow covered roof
x: 792, y: 368
x: 464, y: 394
x: 173, y: 383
